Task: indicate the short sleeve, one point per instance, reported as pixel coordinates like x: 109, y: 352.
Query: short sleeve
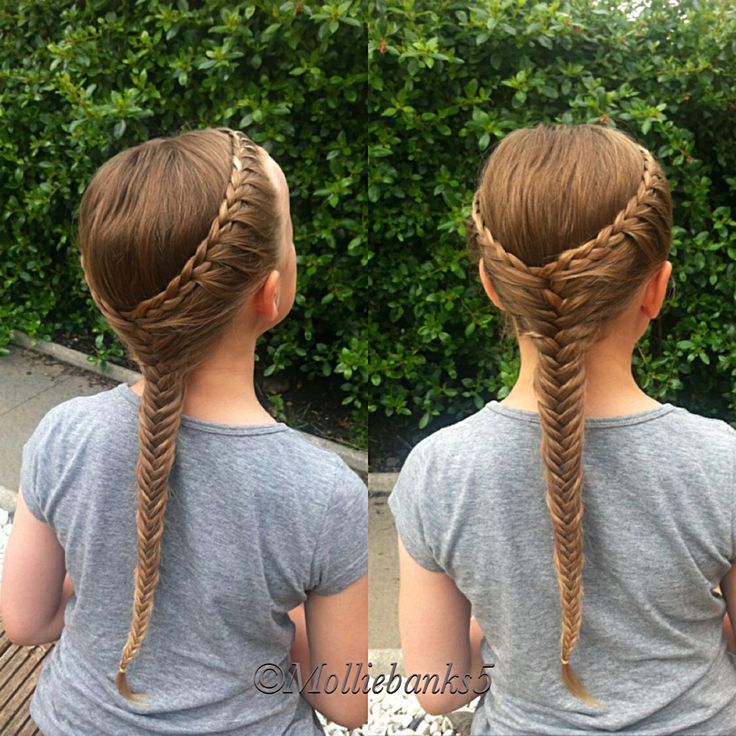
x: 341, y: 555
x: 408, y: 506
x: 35, y: 464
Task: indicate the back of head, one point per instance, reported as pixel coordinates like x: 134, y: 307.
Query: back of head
x: 175, y: 234
x: 570, y: 222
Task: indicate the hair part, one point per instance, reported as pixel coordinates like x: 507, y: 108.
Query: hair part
x: 175, y: 234
x: 570, y: 222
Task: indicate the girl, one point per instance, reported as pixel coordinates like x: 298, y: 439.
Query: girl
x: 186, y: 245
x: 617, y: 628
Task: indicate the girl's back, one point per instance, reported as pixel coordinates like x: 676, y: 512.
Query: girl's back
x: 576, y: 530
x: 659, y: 536
x: 256, y: 517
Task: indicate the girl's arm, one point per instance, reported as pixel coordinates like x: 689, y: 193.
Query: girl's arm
x: 437, y: 629
x: 35, y: 587
x: 728, y: 634
x: 728, y: 590
x: 299, y: 651
x: 333, y: 630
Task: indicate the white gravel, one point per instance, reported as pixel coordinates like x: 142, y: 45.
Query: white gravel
x: 395, y: 714
x: 390, y: 714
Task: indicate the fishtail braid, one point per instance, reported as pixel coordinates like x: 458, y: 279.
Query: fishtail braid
x: 160, y: 411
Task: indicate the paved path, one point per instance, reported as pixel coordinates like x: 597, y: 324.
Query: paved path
x: 30, y: 385
x: 383, y: 576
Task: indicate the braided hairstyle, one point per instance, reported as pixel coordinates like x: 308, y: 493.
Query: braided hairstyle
x: 570, y: 222
x: 175, y: 235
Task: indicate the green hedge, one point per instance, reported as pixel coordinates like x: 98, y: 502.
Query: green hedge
x: 81, y: 81
x: 447, y: 79
x: 387, y: 300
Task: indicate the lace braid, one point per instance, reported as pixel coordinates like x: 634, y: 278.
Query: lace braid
x: 201, y: 268
x: 150, y: 331
x: 552, y: 304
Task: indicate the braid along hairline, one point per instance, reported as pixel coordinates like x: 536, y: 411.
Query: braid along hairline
x: 579, y: 257
x: 185, y: 281
x: 180, y: 285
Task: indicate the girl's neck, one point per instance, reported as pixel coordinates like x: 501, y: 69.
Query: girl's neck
x: 222, y: 390
x: 610, y: 386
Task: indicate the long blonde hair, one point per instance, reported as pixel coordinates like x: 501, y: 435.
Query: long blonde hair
x: 175, y: 234
x: 569, y: 222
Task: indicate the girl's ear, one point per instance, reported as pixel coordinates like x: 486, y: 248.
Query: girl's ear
x: 655, y: 290
x: 266, y: 299
x: 488, y: 286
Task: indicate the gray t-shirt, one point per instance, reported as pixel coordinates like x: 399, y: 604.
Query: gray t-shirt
x: 257, y: 517
x: 659, y: 497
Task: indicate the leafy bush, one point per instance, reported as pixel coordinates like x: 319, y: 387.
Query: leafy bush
x: 81, y: 81
x: 447, y: 79
x: 407, y: 329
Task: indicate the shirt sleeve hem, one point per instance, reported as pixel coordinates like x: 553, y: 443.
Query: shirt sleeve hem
x: 351, y: 574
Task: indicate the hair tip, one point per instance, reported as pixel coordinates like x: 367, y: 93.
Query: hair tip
x: 576, y: 688
x: 121, y: 682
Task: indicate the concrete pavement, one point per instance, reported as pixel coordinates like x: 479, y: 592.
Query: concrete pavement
x: 30, y: 385
x: 383, y: 576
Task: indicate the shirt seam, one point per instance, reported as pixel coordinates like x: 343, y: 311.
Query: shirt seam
x: 320, y: 535
x: 591, y: 422
x: 200, y: 425
x: 348, y: 572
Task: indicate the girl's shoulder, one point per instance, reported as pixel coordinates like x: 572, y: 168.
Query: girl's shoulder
x: 700, y: 426
x: 110, y: 418
x: 81, y: 414
x: 453, y: 444
x: 502, y: 430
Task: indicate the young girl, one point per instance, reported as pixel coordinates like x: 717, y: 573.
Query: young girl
x: 173, y: 601
x: 582, y: 523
